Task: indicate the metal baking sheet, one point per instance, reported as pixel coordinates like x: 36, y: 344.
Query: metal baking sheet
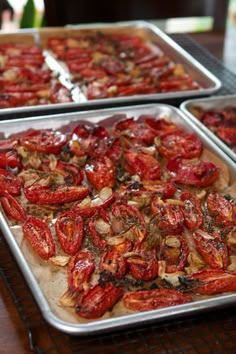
x: 147, y: 31
x: 109, y: 324
x: 213, y: 103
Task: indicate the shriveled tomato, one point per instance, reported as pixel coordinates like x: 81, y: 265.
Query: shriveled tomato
x: 80, y: 269
x: 9, y: 158
x: 168, y: 215
x: 39, y: 194
x: 143, y: 264
x: 222, y: 210
x: 195, y: 173
x: 9, y: 183
x: 46, y: 141
x: 136, y: 89
x: 146, y: 166
x: 72, y: 173
x: 12, y: 207
x: 37, y: 232
x: 192, y: 210
x: 129, y: 221
x: 98, y: 300
x: 180, y: 144
x: 212, y: 248
x: 113, y: 262
x: 174, y: 251
x: 70, y: 233
x: 101, y: 172
x: 210, y: 281
x: 145, y: 300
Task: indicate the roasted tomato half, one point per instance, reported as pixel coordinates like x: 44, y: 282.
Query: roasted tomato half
x: 98, y: 300
x: 80, y: 269
x: 9, y: 183
x: 192, y: 210
x: 193, y: 172
x: 180, y: 144
x: 12, y: 207
x: 101, y: 172
x: 146, y: 300
x: 212, y: 248
x: 70, y: 232
x: 37, y: 232
x: 46, y: 141
x: 143, y: 165
x: 222, y: 210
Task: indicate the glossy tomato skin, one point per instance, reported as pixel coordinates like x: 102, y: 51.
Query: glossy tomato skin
x: 80, y: 270
x: 9, y: 183
x: 38, y: 194
x: 114, y: 262
x: 180, y: 144
x: 212, y: 248
x: 101, y: 172
x: 70, y: 233
x: 146, y: 300
x: 198, y: 173
x: 39, y: 236
x: 222, y: 210
x: 192, y: 210
x: 161, y: 127
x: 168, y: 215
x: 174, y: 251
x: 211, y: 281
x: 45, y: 141
x: 98, y: 300
x: 143, y: 165
x: 12, y: 207
x: 9, y: 158
x: 143, y: 264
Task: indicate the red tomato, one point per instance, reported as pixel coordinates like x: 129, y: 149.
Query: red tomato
x: 135, y: 131
x: 161, y: 126
x: 141, y: 88
x: 196, y: 173
x: 210, y: 281
x: 168, y: 215
x: 212, y: 248
x: 180, y: 144
x: 12, y: 207
x: 90, y: 209
x: 227, y: 134
x: 192, y: 210
x: 145, y: 300
x: 143, y: 264
x: 38, y: 194
x: 113, y: 262
x: 221, y: 209
x: 9, y: 183
x: 70, y: 233
x: 9, y: 158
x: 38, y: 234
x: 174, y: 250
x: 101, y: 172
x: 98, y: 300
x: 130, y: 220
x: 46, y: 141
x: 97, y: 235
x: 146, y: 166
x: 80, y: 269
x: 72, y: 173
x: 165, y: 189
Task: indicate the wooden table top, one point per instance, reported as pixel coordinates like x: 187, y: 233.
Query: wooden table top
x: 13, y: 334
